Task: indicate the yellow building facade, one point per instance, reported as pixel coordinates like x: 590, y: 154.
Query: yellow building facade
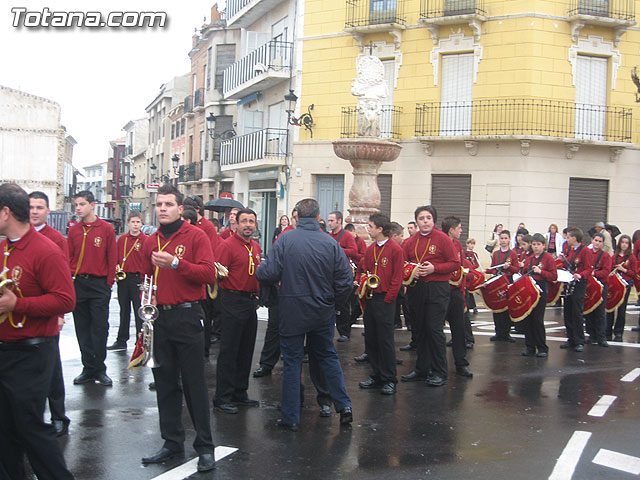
x: 507, y: 110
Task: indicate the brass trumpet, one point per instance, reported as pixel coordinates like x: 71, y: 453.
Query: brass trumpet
x: 372, y: 282
x: 149, y: 313
x: 120, y: 274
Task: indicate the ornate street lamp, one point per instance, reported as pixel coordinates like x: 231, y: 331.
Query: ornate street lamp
x: 305, y: 120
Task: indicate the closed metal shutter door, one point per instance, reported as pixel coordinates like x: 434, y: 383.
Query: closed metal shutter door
x: 451, y: 195
x: 588, y: 202
x: 384, y: 184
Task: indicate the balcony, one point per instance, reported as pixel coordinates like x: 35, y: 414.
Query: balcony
x: 389, y: 122
x: 524, y: 119
x: 188, y: 104
x: 373, y: 16
x: 261, y: 69
x: 242, y: 13
x: 437, y: 13
x: 190, y: 173
x: 617, y: 14
x: 198, y: 98
x: 265, y: 147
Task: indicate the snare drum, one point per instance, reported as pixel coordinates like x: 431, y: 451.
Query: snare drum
x: 522, y: 297
x: 494, y: 293
x: 616, y: 290
x: 553, y: 292
x: 564, y: 276
x: 593, y: 296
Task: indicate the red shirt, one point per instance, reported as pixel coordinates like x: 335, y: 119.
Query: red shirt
x: 499, y: 257
x: 234, y: 253
x: 472, y: 258
x: 435, y: 248
x: 580, y: 260
x: 195, y: 268
x: 348, y: 244
x: 630, y: 264
x: 225, y: 234
x: 362, y: 246
x: 547, y: 264
x: 565, y: 248
x: 130, y: 258
x: 390, y: 265
x: 35, y: 264
x: 208, y: 228
x: 287, y: 229
x: 636, y: 250
x: 464, y: 263
x: 601, y: 267
x: 100, y: 252
x: 56, y: 237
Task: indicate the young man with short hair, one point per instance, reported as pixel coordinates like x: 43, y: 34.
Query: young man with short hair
x: 596, y: 321
x: 93, y: 257
x: 412, y: 228
x: 130, y: 263
x: 233, y: 225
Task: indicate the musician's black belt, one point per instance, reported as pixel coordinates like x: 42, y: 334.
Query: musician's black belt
x: 178, y: 306
x: 242, y: 293
x: 133, y: 273
x: 87, y: 275
x: 15, y: 344
x: 376, y: 294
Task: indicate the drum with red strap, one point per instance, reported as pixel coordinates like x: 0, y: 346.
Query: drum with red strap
x: 457, y: 276
x: 616, y: 290
x: 636, y: 281
x: 522, y: 297
x: 593, y: 296
x: 409, y: 273
x: 494, y: 293
x: 473, y: 280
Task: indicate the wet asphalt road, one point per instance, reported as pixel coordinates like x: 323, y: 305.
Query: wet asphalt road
x: 513, y: 419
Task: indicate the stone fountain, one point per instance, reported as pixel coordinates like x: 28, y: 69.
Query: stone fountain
x: 368, y: 150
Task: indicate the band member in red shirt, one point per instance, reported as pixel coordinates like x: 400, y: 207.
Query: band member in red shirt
x: 455, y: 313
x: 28, y: 338
x: 384, y: 259
x: 626, y: 265
x: 179, y: 259
x: 231, y: 229
x: 429, y: 298
x: 543, y: 269
x: 596, y: 321
x: 579, y: 262
x: 38, y: 212
x: 130, y: 262
x: 348, y: 244
x: 93, y: 258
x: 356, y: 311
x: 239, y: 322
x: 506, y: 257
x: 474, y: 260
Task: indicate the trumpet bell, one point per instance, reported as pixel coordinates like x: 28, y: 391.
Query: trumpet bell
x: 7, y: 283
x: 148, y: 312
x: 373, y: 281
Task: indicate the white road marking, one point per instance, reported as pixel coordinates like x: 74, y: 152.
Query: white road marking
x: 619, y: 461
x: 631, y: 376
x: 602, y: 405
x: 566, y: 464
x: 187, y: 469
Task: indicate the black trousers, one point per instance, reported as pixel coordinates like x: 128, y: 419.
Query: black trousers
x: 239, y: 324
x: 129, y: 294
x: 56, y: 391
x: 429, y: 302
x: 535, y: 337
x: 455, y: 316
x: 91, y: 320
x: 502, y: 322
x: 471, y: 300
x: 378, y: 338
x: 596, y: 321
x: 617, y: 319
x: 271, y: 348
x: 209, y: 309
x: 343, y: 316
x: 471, y: 304
x: 178, y: 338
x: 25, y: 377
x: 573, y: 307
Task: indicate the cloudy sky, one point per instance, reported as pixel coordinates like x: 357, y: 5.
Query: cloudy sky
x: 101, y: 77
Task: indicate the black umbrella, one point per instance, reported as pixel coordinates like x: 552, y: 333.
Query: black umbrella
x: 221, y: 204
x: 615, y: 231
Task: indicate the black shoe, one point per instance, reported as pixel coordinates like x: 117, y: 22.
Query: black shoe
x: 407, y: 348
x: 603, y: 343
x: 214, y: 340
x: 293, y: 427
x: 61, y: 427
x: 343, y: 338
x: 495, y: 338
x: 103, y: 379
x: 542, y: 354
x: 617, y: 338
x: 412, y: 377
x: 162, y: 455
x: 469, y: 346
x: 635, y: 329
x: 464, y: 372
x: 325, y: 411
x: 369, y: 384
x: 229, y: 408
x: 152, y: 386
x: 262, y: 372
x: 579, y: 348
x: 117, y: 346
x: 206, y: 462
x: 436, y: 381
x: 388, y: 389
x: 305, y: 358
x: 509, y: 339
x: 566, y: 345
x: 475, y: 311
x: 83, y: 378
x: 362, y: 358
x: 450, y: 343
x: 346, y: 415
x: 528, y: 353
x: 247, y: 402
x: 397, y: 326
x: 399, y: 361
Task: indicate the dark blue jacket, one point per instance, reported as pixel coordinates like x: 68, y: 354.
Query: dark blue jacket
x: 315, y: 276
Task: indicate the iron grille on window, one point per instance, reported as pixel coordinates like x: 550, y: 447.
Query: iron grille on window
x: 389, y: 122
x: 617, y: 9
x: 361, y: 13
x: 188, y: 104
x: 446, y: 8
x: 198, y: 98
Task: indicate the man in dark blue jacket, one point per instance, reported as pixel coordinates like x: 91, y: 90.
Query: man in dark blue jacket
x: 315, y: 276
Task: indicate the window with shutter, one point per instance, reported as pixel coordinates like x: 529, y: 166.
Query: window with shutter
x: 591, y: 97
x: 456, y: 94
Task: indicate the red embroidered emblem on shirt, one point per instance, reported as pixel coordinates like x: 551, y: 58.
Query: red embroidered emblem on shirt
x: 180, y: 251
x: 432, y: 250
x: 16, y: 274
x: 97, y: 242
x: 384, y: 261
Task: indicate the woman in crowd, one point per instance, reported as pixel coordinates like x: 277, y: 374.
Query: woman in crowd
x: 282, y: 224
x: 626, y: 265
x: 492, y: 241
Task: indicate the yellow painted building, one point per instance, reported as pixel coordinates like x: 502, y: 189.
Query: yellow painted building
x: 507, y: 110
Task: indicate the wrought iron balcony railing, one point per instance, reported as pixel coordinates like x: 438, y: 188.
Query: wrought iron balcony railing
x: 614, y: 9
x: 194, y: 172
x: 198, y: 98
x: 272, y: 56
x: 389, y: 122
x: 188, y: 104
x: 361, y: 13
x: 258, y: 145
x: 528, y: 117
x: 234, y: 6
x: 449, y: 8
